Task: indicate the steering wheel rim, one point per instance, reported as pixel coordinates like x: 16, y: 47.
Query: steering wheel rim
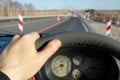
x: 84, y: 39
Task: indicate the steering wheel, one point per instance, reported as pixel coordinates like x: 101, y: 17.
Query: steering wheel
x: 78, y: 56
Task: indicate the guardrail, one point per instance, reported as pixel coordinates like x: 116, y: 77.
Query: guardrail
x: 5, y: 19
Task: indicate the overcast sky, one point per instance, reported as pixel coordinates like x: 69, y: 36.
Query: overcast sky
x: 74, y: 4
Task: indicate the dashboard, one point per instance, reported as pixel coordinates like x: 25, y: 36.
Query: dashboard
x: 75, y: 62
x: 4, y: 40
x: 79, y: 63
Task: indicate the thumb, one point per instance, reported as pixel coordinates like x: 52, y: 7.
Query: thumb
x: 16, y: 37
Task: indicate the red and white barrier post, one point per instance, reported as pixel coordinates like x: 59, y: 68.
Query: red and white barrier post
x: 58, y: 18
x: 108, y: 29
x: 84, y: 16
x: 20, y: 23
x: 88, y: 15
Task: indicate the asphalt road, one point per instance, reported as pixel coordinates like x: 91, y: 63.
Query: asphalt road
x: 29, y: 26
x: 73, y: 24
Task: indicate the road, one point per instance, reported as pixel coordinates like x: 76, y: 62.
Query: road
x: 73, y: 24
x: 29, y: 26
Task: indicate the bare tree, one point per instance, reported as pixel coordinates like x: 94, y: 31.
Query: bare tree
x: 13, y: 8
x: 1, y: 8
x: 30, y: 9
x: 26, y: 10
x: 5, y: 7
x: 17, y: 8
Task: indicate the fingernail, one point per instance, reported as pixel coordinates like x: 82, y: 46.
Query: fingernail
x: 35, y: 34
x: 57, y: 43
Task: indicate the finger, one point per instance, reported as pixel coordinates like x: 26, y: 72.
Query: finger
x: 51, y: 47
x: 49, y: 50
x: 32, y: 37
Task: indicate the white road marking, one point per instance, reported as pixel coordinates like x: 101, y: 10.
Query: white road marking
x: 86, y: 29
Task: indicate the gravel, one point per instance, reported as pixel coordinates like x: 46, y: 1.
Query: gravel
x: 100, y: 28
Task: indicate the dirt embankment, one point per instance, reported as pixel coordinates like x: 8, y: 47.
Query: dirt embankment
x: 50, y: 12
x: 104, y: 15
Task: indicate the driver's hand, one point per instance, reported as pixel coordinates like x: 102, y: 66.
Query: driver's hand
x: 20, y: 60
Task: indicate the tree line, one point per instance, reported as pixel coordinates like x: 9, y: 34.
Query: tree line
x: 13, y: 8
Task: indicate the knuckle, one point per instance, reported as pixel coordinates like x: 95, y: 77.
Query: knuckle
x: 52, y: 48
x: 25, y: 37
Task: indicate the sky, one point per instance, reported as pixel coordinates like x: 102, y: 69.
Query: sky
x: 73, y: 4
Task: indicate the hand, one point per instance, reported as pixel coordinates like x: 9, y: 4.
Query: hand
x: 20, y: 60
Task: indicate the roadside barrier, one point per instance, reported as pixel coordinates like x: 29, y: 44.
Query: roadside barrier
x: 58, y: 18
x: 108, y: 29
x: 87, y: 16
x: 15, y: 18
x: 20, y: 23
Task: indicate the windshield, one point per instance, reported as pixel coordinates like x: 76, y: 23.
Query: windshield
x: 52, y: 16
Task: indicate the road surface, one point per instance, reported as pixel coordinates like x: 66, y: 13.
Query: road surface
x: 29, y: 26
x: 72, y: 24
